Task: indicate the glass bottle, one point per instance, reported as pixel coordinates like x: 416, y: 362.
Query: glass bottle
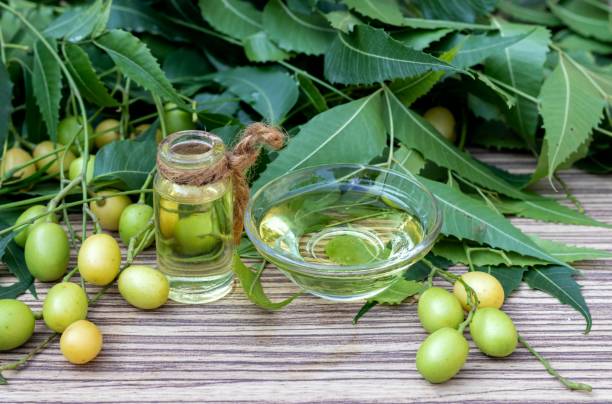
x: 193, y: 222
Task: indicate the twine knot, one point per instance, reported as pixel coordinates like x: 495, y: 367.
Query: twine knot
x: 235, y: 164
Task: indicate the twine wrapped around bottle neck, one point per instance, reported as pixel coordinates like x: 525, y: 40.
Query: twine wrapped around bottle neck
x: 234, y: 164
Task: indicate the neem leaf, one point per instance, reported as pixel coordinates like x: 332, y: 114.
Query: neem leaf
x: 125, y: 162
x: 521, y: 66
x: 416, y: 133
x: 559, y: 282
x: 473, y: 49
x: 369, y: 55
x: 509, y: 277
x: 235, y: 18
x: 348, y: 133
x: 571, y: 108
x: 529, y: 14
x: 467, y: 10
x: 271, y: 92
x: 342, y: 20
x: 468, y: 218
x: 434, y: 24
x: 312, y: 93
x: 295, y: 31
x: 570, y: 253
x: 251, y: 284
x: 411, y: 89
x: 259, y: 48
x: 135, y: 61
x: 548, y: 210
x: 47, y: 85
x: 6, y: 94
x: 138, y: 16
x: 420, y: 39
x: 574, y: 42
x: 407, y: 160
x: 583, y: 18
x: 12, y: 255
x: 480, y: 256
x: 387, y: 11
x: 395, y: 294
x: 79, y: 22
x: 85, y: 77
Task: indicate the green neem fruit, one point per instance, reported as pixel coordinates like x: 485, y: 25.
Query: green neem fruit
x: 28, y: 214
x: 442, y: 355
x: 439, y: 308
x: 70, y: 127
x: 176, y: 119
x: 66, y: 303
x: 196, y: 234
x: 16, y: 324
x: 47, y: 252
x: 76, y: 167
x: 493, y: 332
x: 133, y: 220
x: 143, y: 287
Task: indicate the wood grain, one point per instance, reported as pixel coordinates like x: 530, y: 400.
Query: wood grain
x: 231, y: 351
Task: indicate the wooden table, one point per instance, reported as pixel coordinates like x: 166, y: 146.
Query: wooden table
x: 231, y: 351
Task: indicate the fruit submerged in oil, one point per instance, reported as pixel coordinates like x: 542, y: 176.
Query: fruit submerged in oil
x: 340, y: 228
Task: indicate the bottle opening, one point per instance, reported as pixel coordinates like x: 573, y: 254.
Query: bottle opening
x: 191, y: 148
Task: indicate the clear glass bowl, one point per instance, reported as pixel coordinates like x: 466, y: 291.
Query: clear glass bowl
x: 350, y: 281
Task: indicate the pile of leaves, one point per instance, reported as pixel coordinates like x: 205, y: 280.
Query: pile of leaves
x: 349, y: 81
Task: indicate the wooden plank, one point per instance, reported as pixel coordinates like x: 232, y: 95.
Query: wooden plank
x: 231, y: 351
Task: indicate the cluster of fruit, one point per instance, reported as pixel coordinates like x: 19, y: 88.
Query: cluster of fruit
x: 444, y: 352
x: 47, y: 247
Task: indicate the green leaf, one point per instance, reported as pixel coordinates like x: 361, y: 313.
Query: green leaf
x: 416, y: 133
x: 407, y: 160
x: 369, y: 55
x: 47, y: 85
x: 529, y: 14
x: 117, y: 163
x: 6, y: 95
x: 342, y: 20
x: 411, y: 89
x: 387, y: 11
x: 294, y: 31
x: 312, y: 93
x: 85, y: 77
x: 434, y: 24
x: 271, y: 92
x: 494, y: 134
x: 236, y: 18
x: 571, y: 108
x: 474, y: 49
x: 225, y: 103
x: 138, y: 16
x: 78, y: 23
x: 559, y: 282
x: 480, y: 256
x: 13, y: 258
x: 184, y: 64
x: 395, y: 294
x: 468, y: 218
x: 547, y: 210
x: 259, y: 48
x: 251, y: 284
x: 134, y: 60
x: 583, y: 18
x: 578, y: 43
x: 509, y: 277
x: 34, y: 122
x: 466, y: 10
x: 399, y: 291
x: 348, y: 133
x: 570, y: 253
x: 420, y: 39
x: 521, y: 66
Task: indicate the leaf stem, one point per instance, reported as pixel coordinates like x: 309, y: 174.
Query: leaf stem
x: 566, y: 382
x: 62, y: 194
x: 568, y: 193
x: 314, y: 78
x: 508, y: 87
x: 22, y: 361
